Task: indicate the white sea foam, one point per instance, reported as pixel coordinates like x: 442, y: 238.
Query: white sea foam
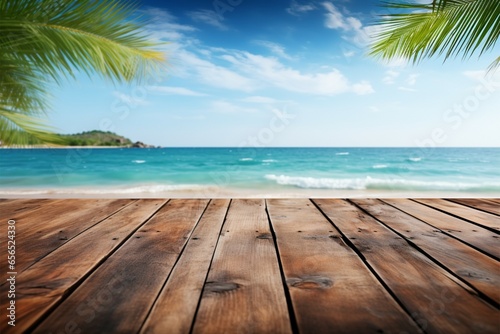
x: 269, y: 160
x: 415, y: 159
x: 373, y: 183
x: 146, y: 189
x: 342, y: 153
x: 246, y: 159
x: 379, y: 166
x: 138, y: 161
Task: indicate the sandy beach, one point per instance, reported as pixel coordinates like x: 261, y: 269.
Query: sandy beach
x: 219, y: 192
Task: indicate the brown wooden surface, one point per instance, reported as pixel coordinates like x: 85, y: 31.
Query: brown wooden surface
x: 44, y: 283
x: 322, y: 273
x: 51, y: 227
x: 475, y: 216
x: 244, y: 292
x: 480, y: 204
x: 472, y: 266
x: 478, y: 237
x: 176, y: 306
x: 253, y: 265
x: 135, y: 272
x: 433, y: 298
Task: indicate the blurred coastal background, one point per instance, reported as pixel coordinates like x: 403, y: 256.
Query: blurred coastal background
x: 250, y: 98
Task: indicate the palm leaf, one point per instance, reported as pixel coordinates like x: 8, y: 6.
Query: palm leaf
x: 44, y: 40
x: 445, y: 28
x: 20, y: 129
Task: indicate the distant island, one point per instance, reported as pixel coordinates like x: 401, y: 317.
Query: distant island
x: 93, y: 138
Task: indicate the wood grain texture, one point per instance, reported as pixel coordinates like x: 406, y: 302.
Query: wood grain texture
x: 125, y: 265
x: 45, y: 283
x: 118, y: 295
x: 9, y: 209
x: 480, y: 204
x: 244, y: 292
x: 478, y: 237
x: 433, y: 298
x: 42, y: 231
x: 480, y: 271
x: 176, y: 306
x: 331, y: 289
x: 484, y: 219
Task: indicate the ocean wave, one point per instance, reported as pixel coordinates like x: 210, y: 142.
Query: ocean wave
x: 246, y: 159
x: 379, y: 166
x: 147, y: 189
x: 342, y: 153
x: 379, y: 184
x: 269, y: 160
x: 415, y: 159
x: 138, y: 161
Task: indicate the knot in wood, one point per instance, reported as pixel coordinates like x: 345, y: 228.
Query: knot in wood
x: 221, y: 287
x: 311, y: 282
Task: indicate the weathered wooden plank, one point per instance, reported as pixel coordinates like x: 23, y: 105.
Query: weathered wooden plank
x: 118, y: 295
x: 479, y: 217
x: 40, y: 232
x: 331, y: 289
x: 476, y: 236
x: 175, y: 308
x: 433, y: 297
x: 244, y: 292
x: 480, y: 271
x: 43, y: 285
x: 480, y: 204
x: 11, y: 208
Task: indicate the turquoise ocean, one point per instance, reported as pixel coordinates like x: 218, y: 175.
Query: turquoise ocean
x: 261, y: 171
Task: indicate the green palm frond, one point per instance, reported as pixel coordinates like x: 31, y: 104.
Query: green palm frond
x: 44, y: 41
x: 445, y: 28
x: 20, y: 129
x: 494, y: 65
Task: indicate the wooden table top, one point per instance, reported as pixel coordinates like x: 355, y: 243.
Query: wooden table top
x: 250, y: 265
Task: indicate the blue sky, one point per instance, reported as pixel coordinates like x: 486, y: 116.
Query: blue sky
x: 285, y: 73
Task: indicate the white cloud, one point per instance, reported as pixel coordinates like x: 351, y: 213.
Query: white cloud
x: 362, y: 88
x: 209, y: 17
x: 412, y: 79
x: 211, y: 74
x: 407, y: 89
x: 395, y: 62
x: 298, y: 9
x: 349, y: 53
x: 130, y: 100
x: 390, y: 77
x: 352, y: 27
x: 482, y: 75
x: 275, y: 48
x: 263, y: 100
x: 226, y: 107
x: 247, y: 72
x: 271, y: 72
x: 168, y: 90
x: 163, y: 25
x: 475, y: 75
x: 373, y: 109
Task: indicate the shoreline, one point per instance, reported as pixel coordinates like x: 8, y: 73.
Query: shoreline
x: 68, y: 147
x: 220, y: 192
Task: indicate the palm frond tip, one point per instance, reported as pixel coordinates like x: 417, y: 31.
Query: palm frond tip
x: 447, y: 28
x: 53, y: 39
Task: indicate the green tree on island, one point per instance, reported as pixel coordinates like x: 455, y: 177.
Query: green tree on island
x: 46, y: 42
x: 447, y: 28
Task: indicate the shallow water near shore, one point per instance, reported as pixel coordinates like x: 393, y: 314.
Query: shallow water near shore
x: 250, y: 172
